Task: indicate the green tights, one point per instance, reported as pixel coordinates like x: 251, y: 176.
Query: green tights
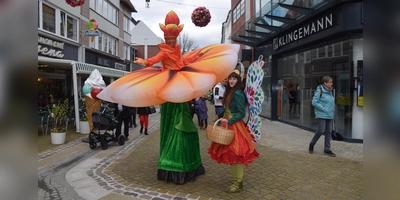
x: 237, y: 171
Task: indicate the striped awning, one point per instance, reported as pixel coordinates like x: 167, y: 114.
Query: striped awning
x: 84, y: 68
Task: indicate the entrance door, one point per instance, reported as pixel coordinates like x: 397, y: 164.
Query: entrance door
x: 340, y: 72
x: 343, y: 92
x: 307, y: 69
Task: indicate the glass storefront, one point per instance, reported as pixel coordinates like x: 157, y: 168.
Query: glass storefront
x: 266, y: 86
x: 300, y: 73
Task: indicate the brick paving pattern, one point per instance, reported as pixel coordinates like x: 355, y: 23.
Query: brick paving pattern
x: 285, y: 169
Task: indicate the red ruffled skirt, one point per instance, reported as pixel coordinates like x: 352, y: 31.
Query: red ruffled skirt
x: 240, y: 151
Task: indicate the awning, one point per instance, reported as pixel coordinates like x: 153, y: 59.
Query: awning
x: 82, y: 68
x: 267, y: 23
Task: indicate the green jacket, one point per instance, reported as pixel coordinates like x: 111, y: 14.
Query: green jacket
x: 236, y: 109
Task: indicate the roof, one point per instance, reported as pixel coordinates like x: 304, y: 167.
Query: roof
x: 129, y: 5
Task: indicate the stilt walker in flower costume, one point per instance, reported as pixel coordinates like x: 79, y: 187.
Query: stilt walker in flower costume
x: 180, y: 79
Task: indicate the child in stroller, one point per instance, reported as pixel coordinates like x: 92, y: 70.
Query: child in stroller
x: 102, y: 121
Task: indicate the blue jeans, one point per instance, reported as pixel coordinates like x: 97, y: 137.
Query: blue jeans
x: 218, y: 110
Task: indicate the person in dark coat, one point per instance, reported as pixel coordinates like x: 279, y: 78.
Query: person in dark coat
x: 122, y: 114
x: 143, y: 113
x: 203, y: 116
x: 132, y: 121
x: 292, y: 97
x: 192, y: 107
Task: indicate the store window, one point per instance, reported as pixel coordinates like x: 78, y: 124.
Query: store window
x: 299, y: 75
x: 266, y: 86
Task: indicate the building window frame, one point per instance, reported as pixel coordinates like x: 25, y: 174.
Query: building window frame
x: 239, y: 10
x: 127, y: 51
x: 126, y: 24
x: 106, y: 43
x: 60, y: 20
x: 105, y: 9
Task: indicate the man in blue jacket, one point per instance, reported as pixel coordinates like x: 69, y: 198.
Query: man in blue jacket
x: 324, y: 104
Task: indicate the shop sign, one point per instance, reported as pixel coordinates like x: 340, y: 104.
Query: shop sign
x: 51, y: 48
x: 319, y: 25
x: 92, y: 33
x: 120, y: 66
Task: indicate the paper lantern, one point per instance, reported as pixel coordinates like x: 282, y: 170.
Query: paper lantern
x: 75, y: 3
x: 201, y: 16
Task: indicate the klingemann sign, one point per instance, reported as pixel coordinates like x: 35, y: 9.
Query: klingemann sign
x: 304, y: 31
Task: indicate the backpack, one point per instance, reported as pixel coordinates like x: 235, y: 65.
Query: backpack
x: 336, y: 136
x: 320, y: 91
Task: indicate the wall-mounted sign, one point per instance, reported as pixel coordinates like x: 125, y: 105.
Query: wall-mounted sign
x: 92, y: 33
x: 48, y: 49
x: 360, y: 88
x: 120, y: 66
x: 92, y: 26
x: 319, y: 25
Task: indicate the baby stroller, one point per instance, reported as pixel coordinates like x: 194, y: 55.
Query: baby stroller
x: 101, y: 121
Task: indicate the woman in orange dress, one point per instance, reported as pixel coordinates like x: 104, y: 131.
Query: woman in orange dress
x: 241, y: 151
x: 180, y: 79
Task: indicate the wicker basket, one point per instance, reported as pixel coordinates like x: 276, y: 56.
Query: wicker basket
x: 220, y: 134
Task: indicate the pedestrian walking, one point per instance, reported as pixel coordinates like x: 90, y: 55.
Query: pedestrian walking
x: 192, y: 107
x: 143, y: 113
x: 324, y: 104
x: 122, y: 115
x: 218, y: 94
x: 241, y: 151
x: 203, y: 116
x: 132, y: 121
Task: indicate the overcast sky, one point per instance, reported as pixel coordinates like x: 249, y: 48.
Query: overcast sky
x: 155, y: 14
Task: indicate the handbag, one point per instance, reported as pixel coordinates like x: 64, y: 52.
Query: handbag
x: 220, y: 135
x: 152, y: 109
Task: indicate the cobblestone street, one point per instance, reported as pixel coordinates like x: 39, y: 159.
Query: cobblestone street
x: 285, y: 169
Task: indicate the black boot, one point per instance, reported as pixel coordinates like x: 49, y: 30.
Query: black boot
x: 311, y: 149
x: 141, y: 129
x: 145, y: 131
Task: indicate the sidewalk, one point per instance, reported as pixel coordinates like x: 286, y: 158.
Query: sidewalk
x: 285, y: 169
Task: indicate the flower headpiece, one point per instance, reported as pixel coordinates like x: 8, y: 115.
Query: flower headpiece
x: 171, y: 28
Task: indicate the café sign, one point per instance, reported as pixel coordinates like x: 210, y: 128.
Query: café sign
x: 316, y: 26
x: 48, y: 47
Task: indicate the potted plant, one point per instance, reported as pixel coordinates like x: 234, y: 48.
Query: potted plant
x: 58, y: 111
x: 84, y: 124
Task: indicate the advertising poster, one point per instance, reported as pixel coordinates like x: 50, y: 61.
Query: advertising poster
x: 360, y: 88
